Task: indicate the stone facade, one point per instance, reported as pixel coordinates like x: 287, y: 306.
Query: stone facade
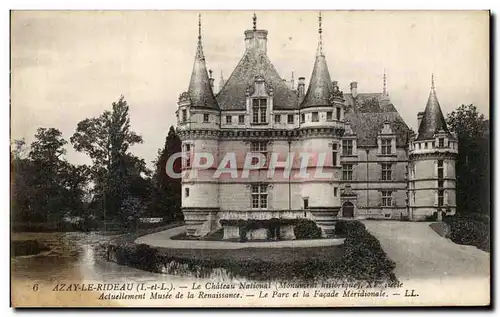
x: 377, y: 167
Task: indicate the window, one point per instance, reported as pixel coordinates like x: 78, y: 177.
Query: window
x: 386, y: 198
x: 187, y: 149
x: 386, y: 171
x: 259, y: 108
x: 186, y: 192
x: 306, y: 203
x: 338, y: 113
x: 241, y: 119
x: 425, y: 145
x: 290, y: 118
x: 347, y: 172
x: 440, y: 169
x: 277, y: 118
x: 259, y: 196
x: 441, y: 142
x: 184, y: 115
x: 335, y: 191
x: 206, y: 116
x: 346, y: 147
x: 258, y: 147
x: 229, y: 119
x: 315, y: 117
x: 386, y: 146
x: 440, y: 198
x: 334, y: 154
x: 329, y: 116
x: 440, y: 184
x: 420, y: 146
x: 302, y: 117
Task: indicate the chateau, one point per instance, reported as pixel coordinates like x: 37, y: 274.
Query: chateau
x: 379, y: 168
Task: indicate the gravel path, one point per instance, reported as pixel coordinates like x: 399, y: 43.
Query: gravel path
x: 162, y: 239
x: 419, y: 252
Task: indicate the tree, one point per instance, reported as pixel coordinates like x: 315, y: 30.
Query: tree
x: 107, y: 140
x: 21, y: 170
x: 473, y: 161
x: 166, y: 195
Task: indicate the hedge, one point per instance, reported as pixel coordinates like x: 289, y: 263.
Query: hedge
x: 306, y: 229
x: 465, y: 230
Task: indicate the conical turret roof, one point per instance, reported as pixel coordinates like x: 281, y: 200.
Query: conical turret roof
x: 200, y: 91
x: 433, y: 119
x: 320, y: 88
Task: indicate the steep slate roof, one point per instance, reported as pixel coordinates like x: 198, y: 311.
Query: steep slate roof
x: 254, y: 62
x: 200, y: 91
x: 320, y: 88
x: 433, y: 119
x: 367, y: 116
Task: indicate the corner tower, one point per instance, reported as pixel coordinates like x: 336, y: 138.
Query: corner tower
x: 432, y: 177
x: 321, y: 127
x: 198, y: 122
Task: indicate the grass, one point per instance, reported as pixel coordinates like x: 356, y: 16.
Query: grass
x: 273, y: 255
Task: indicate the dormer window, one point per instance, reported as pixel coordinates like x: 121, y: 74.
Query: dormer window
x: 259, y: 110
x: 184, y: 115
x: 386, y: 147
x: 347, y: 146
x: 338, y: 113
x: 441, y: 142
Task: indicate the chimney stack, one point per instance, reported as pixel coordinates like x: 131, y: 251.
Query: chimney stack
x: 420, y: 115
x: 301, y: 87
x: 222, y: 81
x: 211, y: 79
x: 354, y: 89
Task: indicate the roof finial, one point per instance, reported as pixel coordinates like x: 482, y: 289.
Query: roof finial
x: 320, y: 31
x: 432, y: 82
x: 199, y: 50
x: 384, y: 91
x: 199, y: 27
x: 254, y: 21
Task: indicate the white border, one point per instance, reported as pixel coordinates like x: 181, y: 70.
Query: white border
x: 187, y: 5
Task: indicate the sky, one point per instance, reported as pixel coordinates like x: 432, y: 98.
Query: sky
x: 70, y: 65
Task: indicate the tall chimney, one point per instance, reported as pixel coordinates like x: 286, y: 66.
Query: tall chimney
x: 420, y: 115
x: 301, y: 87
x: 211, y: 79
x: 256, y: 39
x: 354, y: 89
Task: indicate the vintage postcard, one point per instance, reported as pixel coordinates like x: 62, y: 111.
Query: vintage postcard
x: 250, y: 158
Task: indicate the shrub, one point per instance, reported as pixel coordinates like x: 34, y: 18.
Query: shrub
x: 140, y: 256
x: 464, y: 230
x: 343, y: 227
x: 363, y: 256
x: 306, y: 229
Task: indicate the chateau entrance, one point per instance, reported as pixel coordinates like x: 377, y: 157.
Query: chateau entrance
x: 348, y: 210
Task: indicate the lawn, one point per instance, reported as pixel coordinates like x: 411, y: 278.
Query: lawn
x: 277, y: 255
